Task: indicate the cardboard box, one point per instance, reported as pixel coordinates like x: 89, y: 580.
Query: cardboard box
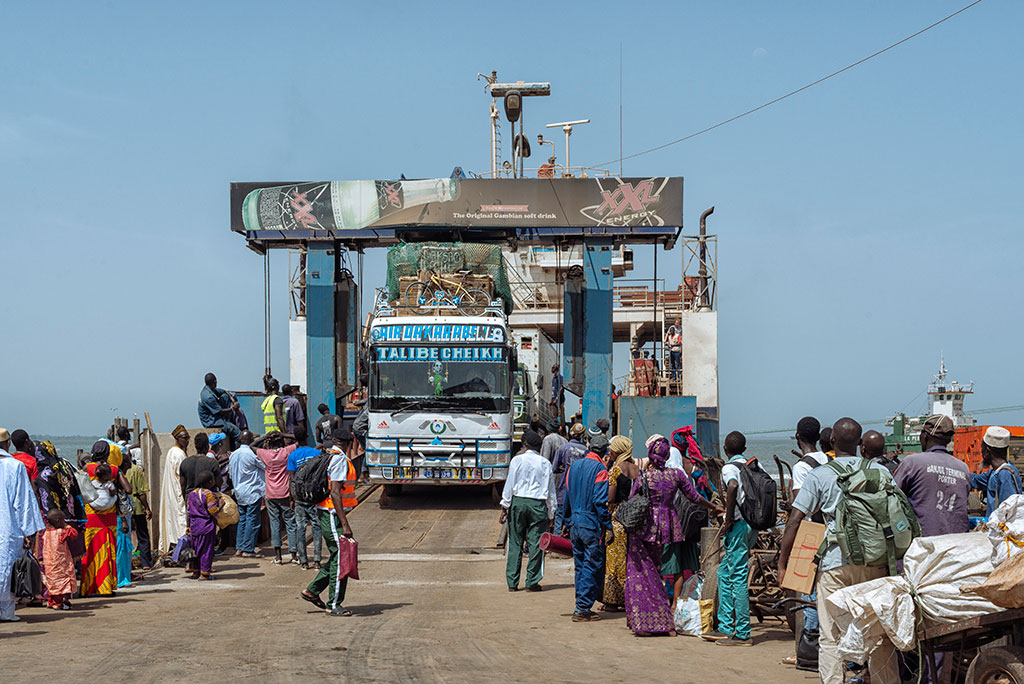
x: 801, y: 570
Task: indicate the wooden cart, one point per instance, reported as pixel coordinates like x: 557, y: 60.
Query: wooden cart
x: 960, y: 640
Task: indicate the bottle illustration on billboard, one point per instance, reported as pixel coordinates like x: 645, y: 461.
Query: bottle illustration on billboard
x: 339, y: 205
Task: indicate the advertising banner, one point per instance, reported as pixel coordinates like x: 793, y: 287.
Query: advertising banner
x: 346, y: 209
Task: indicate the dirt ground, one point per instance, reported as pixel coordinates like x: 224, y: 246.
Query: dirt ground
x: 432, y: 606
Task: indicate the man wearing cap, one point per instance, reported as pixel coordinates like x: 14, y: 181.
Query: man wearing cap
x: 173, y: 520
x: 564, y: 457
x: 528, y: 504
x: 20, y: 519
x: 587, y: 516
x: 936, y: 484
x: 1002, y: 480
x: 553, y: 440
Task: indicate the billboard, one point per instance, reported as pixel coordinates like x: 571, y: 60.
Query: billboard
x: 369, y: 208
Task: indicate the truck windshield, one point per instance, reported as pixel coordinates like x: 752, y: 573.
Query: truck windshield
x: 468, y: 378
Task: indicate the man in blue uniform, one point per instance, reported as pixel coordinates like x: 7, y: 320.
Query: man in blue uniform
x: 586, y: 513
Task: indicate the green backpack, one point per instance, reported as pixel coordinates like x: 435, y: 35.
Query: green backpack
x: 874, y: 520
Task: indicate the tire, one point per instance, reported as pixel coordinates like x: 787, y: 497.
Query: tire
x: 997, y: 665
x: 417, y: 295
x: 496, y: 492
x: 393, y: 490
x: 474, y: 302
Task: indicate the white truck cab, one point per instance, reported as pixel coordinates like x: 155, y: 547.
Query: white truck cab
x: 440, y: 398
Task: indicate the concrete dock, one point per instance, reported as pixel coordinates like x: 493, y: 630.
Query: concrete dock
x: 432, y: 607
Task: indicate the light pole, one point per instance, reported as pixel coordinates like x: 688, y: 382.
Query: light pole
x: 566, y: 127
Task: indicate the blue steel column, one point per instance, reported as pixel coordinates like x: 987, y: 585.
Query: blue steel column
x: 321, y: 265
x: 597, y: 330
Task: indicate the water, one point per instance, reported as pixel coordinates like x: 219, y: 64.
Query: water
x: 764, y: 448
x: 68, y: 445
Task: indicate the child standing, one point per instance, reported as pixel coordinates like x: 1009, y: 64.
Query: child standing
x: 57, y: 559
x: 202, y: 505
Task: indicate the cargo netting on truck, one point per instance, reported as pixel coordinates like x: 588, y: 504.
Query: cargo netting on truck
x: 407, y: 261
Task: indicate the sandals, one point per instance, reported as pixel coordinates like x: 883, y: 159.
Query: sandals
x: 277, y: 561
x: 315, y: 600
x: 339, y: 612
x: 208, y: 578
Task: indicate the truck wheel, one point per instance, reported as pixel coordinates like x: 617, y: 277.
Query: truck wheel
x: 496, y: 492
x: 393, y: 490
x: 997, y: 665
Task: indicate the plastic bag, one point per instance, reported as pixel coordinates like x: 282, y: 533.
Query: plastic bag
x: 26, y: 577
x: 86, y: 487
x: 348, y: 558
x: 1005, y: 586
x: 183, y: 551
x: 1006, y: 529
x: 687, y: 613
x: 707, y: 615
x: 934, y: 568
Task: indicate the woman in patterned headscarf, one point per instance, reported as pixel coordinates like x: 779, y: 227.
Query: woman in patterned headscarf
x: 647, y: 607
x: 620, y: 481
x: 58, y: 489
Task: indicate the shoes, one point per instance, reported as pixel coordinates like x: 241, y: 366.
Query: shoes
x: 715, y: 636
x: 535, y: 587
x: 590, y: 616
x: 733, y: 641
x: 513, y: 588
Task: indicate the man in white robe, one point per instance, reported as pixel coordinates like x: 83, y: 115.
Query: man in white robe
x: 173, y: 520
x: 19, y: 518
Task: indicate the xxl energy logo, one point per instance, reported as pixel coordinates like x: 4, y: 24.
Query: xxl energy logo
x: 627, y: 203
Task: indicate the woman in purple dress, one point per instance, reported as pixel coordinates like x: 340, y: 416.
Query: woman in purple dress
x: 647, y: 605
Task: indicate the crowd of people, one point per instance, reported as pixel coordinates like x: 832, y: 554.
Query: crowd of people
x: 87, y: 524
x: 573, y: 484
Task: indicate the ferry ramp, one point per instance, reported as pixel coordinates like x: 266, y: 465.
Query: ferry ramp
x: 431, y: 606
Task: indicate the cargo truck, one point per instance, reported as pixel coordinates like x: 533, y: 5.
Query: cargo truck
x: 439, y: 398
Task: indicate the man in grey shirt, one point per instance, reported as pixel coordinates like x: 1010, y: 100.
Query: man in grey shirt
x: 552, y: 440
x: 821, y: 493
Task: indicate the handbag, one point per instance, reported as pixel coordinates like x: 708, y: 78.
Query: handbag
x: 26, y: 577
x: 183, y: 551
x: 125, y: 505
x: 632, y: 513
x: 348, y: 558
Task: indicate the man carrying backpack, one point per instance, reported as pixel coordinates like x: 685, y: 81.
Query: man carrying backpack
x: 733, y: 593
x: 822, y: 492
x: 341, y: 498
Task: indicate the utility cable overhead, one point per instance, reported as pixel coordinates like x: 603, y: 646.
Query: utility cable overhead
x: 787, y: 95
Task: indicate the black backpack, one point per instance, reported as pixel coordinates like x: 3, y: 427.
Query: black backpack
x: 759, y: 491
x: 692, y: 516
x: 309, y: 483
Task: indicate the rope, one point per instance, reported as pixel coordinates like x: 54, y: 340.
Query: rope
x: 266, y: 309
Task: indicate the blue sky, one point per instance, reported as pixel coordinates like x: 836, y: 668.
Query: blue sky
x: 865, y: 225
